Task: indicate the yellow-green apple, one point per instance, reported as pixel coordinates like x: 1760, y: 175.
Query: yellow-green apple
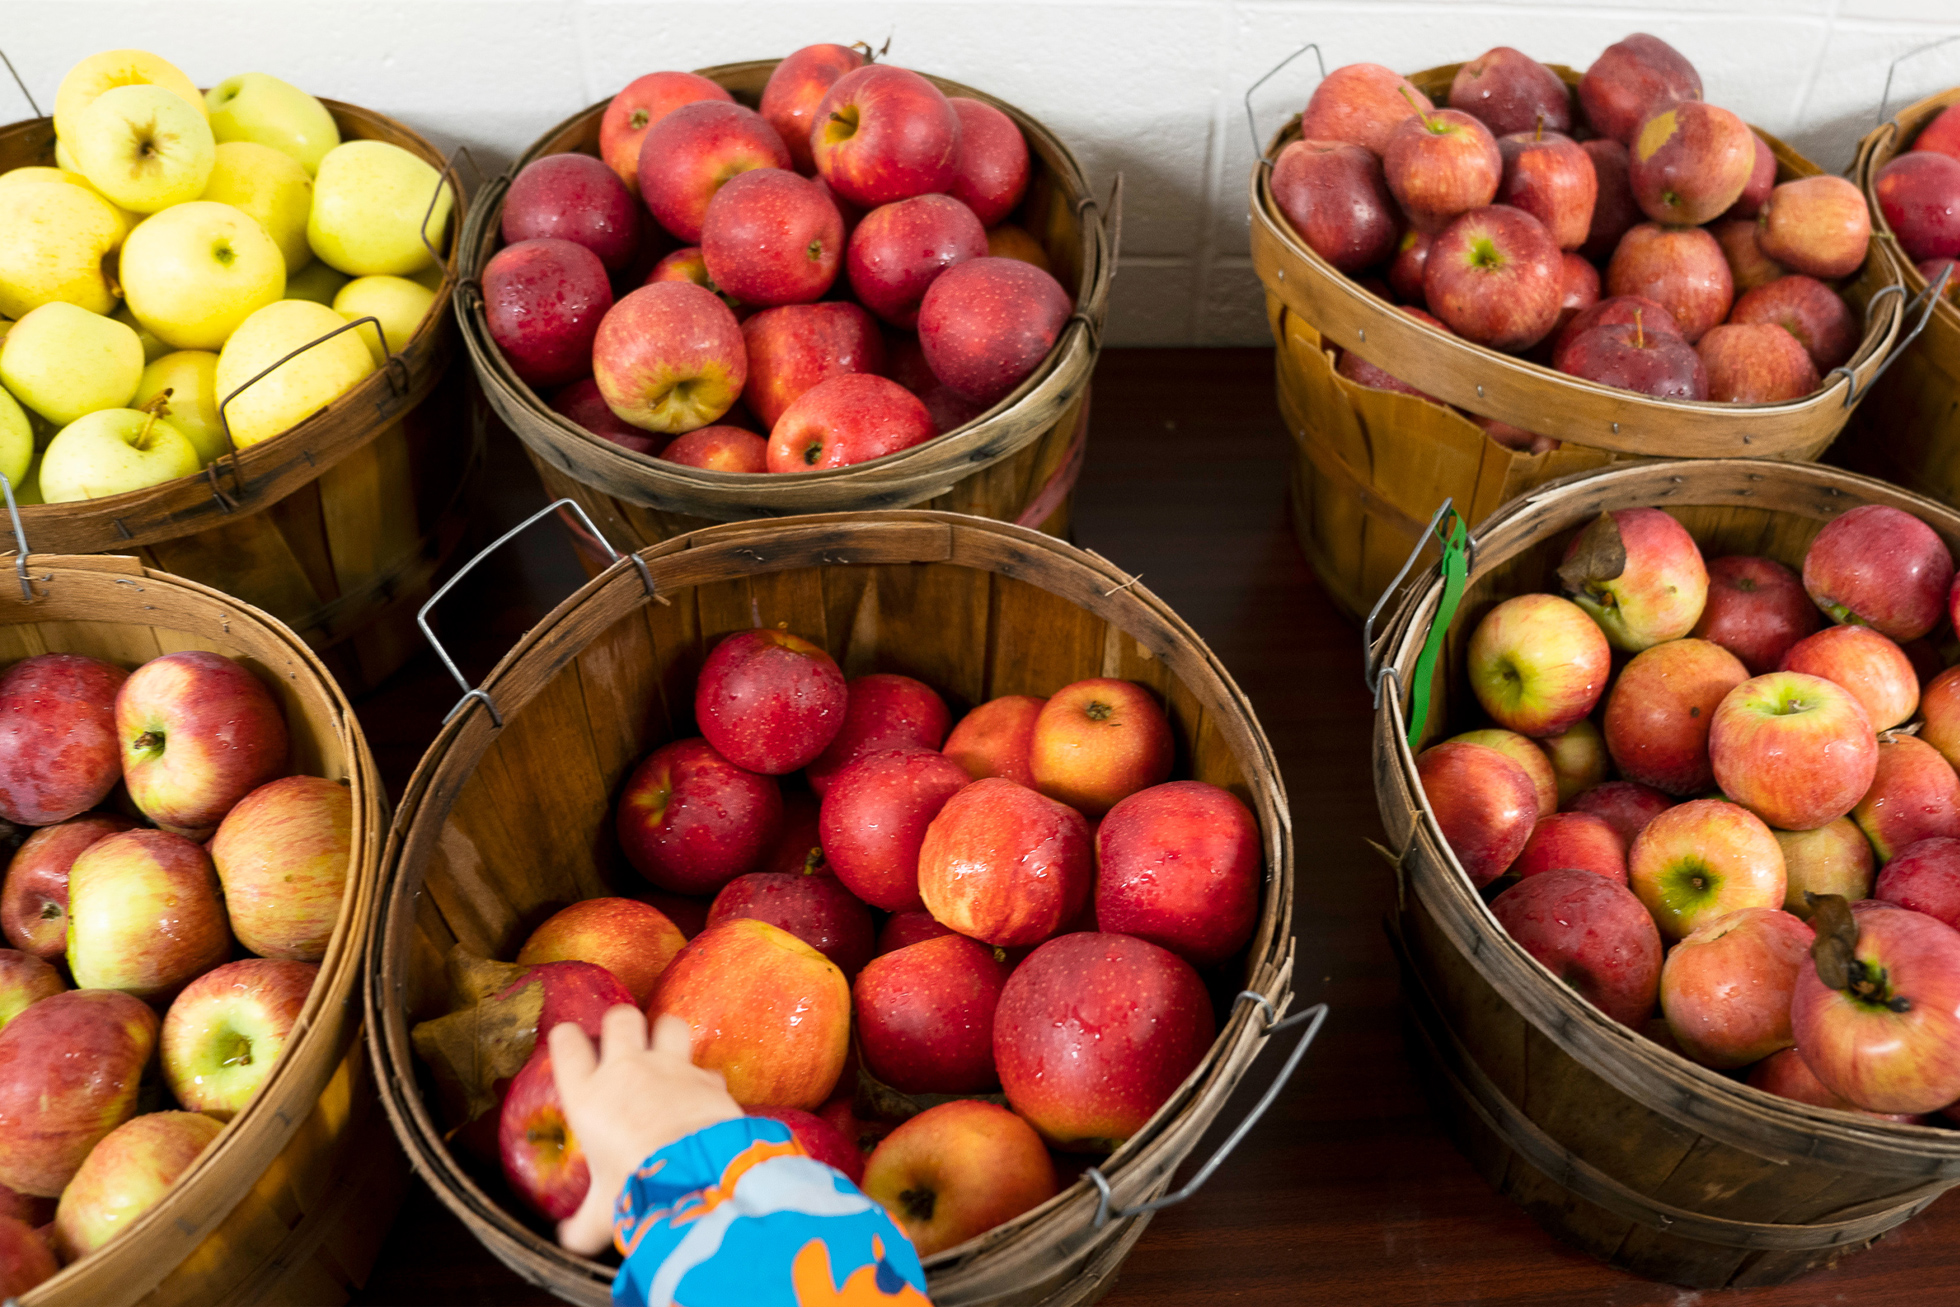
x: 1575, y: 840
x: 1537, y: 664
x: 1681, y: 268
x: 850, y: 417
x: 1875, y: 670
x: 1809, y: 310
x: 1484, y: 802
x: 1003, y: 864
x: 1362, y: 104
x: 690, y: 820
x: 188, y: 381
x: 17, y: 176
x: 397, y: 303
x: 282, y: 853
x: 60, y: 240
x: 541, y: 1156
x: 544, y: 301
x: 1527, y: 754
x: 996, y: 738
x: 1796, y: 750
x: 1626, y: 805
x: 143, y: 147
x: 577, y: 198
x: 1749, y: 268
x: 632, y: 940
x: 69, y: 1072
x: 884, y: 133
x: 582, y: 405
x: 925, y: 1015
x: 1786, y: 1075
x: 1877, y: 1017
x: 1755, y: 363
x: 198, y: 733
x: 991, y: 173
x: 1094, y: 1032
x: 1439, y: 164
x: 669, y: 357
x: 795, y: 88
x: 1592, y: 934
x: 643, y: 102
x: 370, y: 200
x: 297, y: 388
x: 25, y: 980
x: 1578, y: 757
x: 769, y: 700
x: 271, y: 188
x: 1615, y: 212
x: 1630, y: 79
x: 816, y: 909
x: 772, y: 237
x: 154, y: 346
x: 1659, y: 713
x: 1178, y: 864
x: 1914, y: 794
x: 1756, y: 609
x: 1637, y: 572
x: 1939, y: 708
x: 906, y: 364
x: 64, y: 362
x: 1495, y: 276
x: 766, y: 1010
x: 1689, y: 162
x: 1915, y: 193
x: 823, y: 1140
x: 57, y: 737
x: 1923, y: 876
x: 90, y: 78
x: 26, y: 1259
x: 900, y: 249
x: 793, y: 348
x: 318, y: 281
x: 16, y: 439
x: 1623, y: 310
x: 1818, y: 226
x: 34, y: 902
x: 1633, y: 358
x: 1726, y: 987
x: 1096, y: 742
x: 1359, y: 231
x: 192, y: 274
x: 1762, y: 180
x: 957, y: 1170
x: 126, y: 1175
x: 145, y: 915
x: 1509, y: 91
x: 112, y: 452
x: 225, y: 1032
x: 1703, y: 859
x: 1835, y: 858
x: 260, y: 109
x: 986, y: 324
x: 693, y: 151
x: 720, y: 449
x: 1548, y: 176
x: 881, y: 711
x: 902, y: 929
x: 1877, y: 566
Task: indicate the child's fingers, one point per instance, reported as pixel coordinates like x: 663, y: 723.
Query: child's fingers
x: 573, y: 1059
x: 588, y: 1231
x: 622, y: 1032
x: 673, y: 1038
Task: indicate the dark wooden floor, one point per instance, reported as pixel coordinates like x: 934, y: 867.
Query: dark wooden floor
x: 1348, y: 1194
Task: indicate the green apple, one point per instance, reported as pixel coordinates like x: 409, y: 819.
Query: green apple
x: 112, y: 452
x: 57, y: 241
x: 88, y: 80
x: 14, y: 176
x: 16, y: 441
x: 297, y: 388
x: 63, y: 362
x: 317, y: 281
x: 369, y: 200
x: 143, y: 147
x: 430, y: 276
x: 270, y: 188
x: 188, y: 380
x: 260, y: 108
x: 195, y: 271
x: 154, y: 346
x: 396, y: 302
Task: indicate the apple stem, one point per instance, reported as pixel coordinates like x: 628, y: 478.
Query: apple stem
x: 1639, y: 335
x: 1539, y: 135
x: 146, y: 741
x: 1416, y: 105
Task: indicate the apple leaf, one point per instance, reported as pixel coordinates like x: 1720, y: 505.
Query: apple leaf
x: 1599, y: 554
x: 1835, y: 948
x: 474, y: 1051
x: 472, y: 978
x: 879, y: 1101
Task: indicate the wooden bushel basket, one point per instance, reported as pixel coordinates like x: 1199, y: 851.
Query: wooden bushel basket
x: 1017, y: 462
x: 290, y: 1203
x: 337, y: 526
x: 1610, y: 1141
x: 509, y: 815
x: 1370, y: 465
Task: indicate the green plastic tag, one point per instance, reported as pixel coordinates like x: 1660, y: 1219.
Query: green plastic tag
x: 1456, y: 572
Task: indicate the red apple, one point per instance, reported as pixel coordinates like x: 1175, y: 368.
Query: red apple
x: 720, y: 449
x: 541, y: 1156
x: 1615, y: 211
x: 34, y: 903
x: 146, y: 915
x: 900, y: 249
x: 69, y: 1072
x: 1659, y: 713
x: 1361, y: 104
x: 224, y: 1034
x: 1627, y: 806
x: 991, y: 174
x: 669, y: 357
x: 796, y: 347
x: 1574, y: 840
x: 687, y: 264
x: 687, y: 156
x: 1755, y: 363
x: 852, y: 417
x: 1592, y: 934
x: 690, y: 820
x: 577, y: 198
x: 876, y: 816
x: 925, y: 1016
x: 1786, y: 1075
x: 1809, y: 310
x: 57, y: 737
x: 1334, y: 195
x: 1004, y: 864
x: 1509, y: 91
x: 1762, y: 180
x: 1689, y: 162
x: 1701, y: 860
x: 1619, y: 311
x: 544, y: 300
x: 1549, y: 177
x: 1638, y: 573
x: 1682, y: 268
x: 772, y: 237
x: 1578, y: 291
x: 821, y: 1139
x: 906, y: 364
x: 1919, y: 194
x: 632, y: 940
x: 644, y: 102
x: 582, y: 405
x: 996, y: 738
x: 816, y: 909
x: 1516, y: 438
x: 1941, y: 135
x: 881, y: 711
x: 26, y: 1260
x: 1880, y: 567
x: 1528, y: 755
x: 1485, y: 806
x: 1756, y: 609
x: 1835, y: 858
x: 24, y: 981
x: 577, y: 992
x: 1749, y: 268
x: 1875, y: 671
x: 1098, y: 741
x: 987, y: 324
x: 1179, y: 865
x: 1632, y: 358
x: 126, y: 1175
x: 1440, y: 164
x: 1579, y: 759
x: 884, y: 133
x: 1939, y: 706
x: 1495, y: 276
x: 770, y: 701
x: 798, y: 848
x: 1631, y: 79
x: 1725, y: 989
x: 1796, y: 750
x: 795, y: 88
x: 1538, y: 664
x: 1923, y: 876
x: 1406, y: 269
x: 1363, y: 373
x: 282, y: 854
x: 955, y: 1171
x: 1914, y: 795
x: 1819, y: 226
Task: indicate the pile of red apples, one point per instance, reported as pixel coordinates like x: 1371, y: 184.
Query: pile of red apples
x: 1630, y: 233
x: 1729, y: 789
x: 825, y: 280
x: 953, y: 950
x: 170, y: 899
x: 1919, y: 194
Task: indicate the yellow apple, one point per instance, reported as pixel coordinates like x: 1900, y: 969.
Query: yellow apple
x: 269, y: 187
x: 297, y: 388
x: 15, y: 176
x: 112, y: 452
x: 317, y: 281
x: 54, y: 239
x: 259, y: 107
x: 143, y: 147
x: 195, y: 271
x: 65, y: 161
x: 88, y: 80
x: 369, y: 200
x: 396, y: 302
x: 188, y: 379
x: 154, y: 347
x: 64, y: 362
x: 16, y: 440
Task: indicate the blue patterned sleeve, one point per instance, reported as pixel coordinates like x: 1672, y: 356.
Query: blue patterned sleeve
x: 737, y: 1215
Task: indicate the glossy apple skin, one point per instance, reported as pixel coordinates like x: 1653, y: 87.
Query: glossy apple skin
x: 577, y: 992
x: 1179, y: 865
x: 1579, y: 759
x: 1756, y: 609
x: 1615, y: 211
x: 632, y: 940
x: 544, y: 300
x: 900, y: 249
x: 1659, y: 713
x: 582, y: 405
x: 1942, y: 134
x: 1441, y: 164
x: 1538, y: 664
x: 691, y: 153
x: 198, y: 734
x: 1689, y: 162
x: 1875, y: 670
x: 852, y: 417
x: 996, y: 738
x: 690, y: 820
x: 1755, y: 363
x: 1005, y: 865
x: 721, y: 449
x: 1620, y: 311
x: 769, y: 1012
x: 1939, y: 707
x: 1495, y: 276
x: 577, y: 198
x: 1786, y: 1075
x: 1836, y: 858
x: 1919, y: 194
x: 816, y: 909
x: 915, y: 926
x: 905, y: 363
x: 1405, y: 270
x: 1881, y: 567
x: 146, y: 915
x: 660, y: 337
x: 796, y: 87
x: 126, y: 1175
x: 69, y: 1067
x: 884, y: 133
x: 1725, y: 989
x: 1362, y: 104
x: 1631, y: 358
x: 282, y: 854
x: 240, y: 1013
x: 1509, y: 91
x: 1914, y: 795
x: 875, y: 818
x: 1630, y: 79
x: 1098, y: 741
x: 1819, y: 226
x: 1682, y: 268
x: 24, y: 981
x: 34, y: 902
x: 881, y: 711
x: 1809, y: 310
x: 1591, y: 933
x: 1575, y: 840
x: 1880, y: 1059
x: 26, y: 1260
x: 925, y: 1016
x: 1485, y: 806
x: 541, y: 1156
x: 957, y: 1170
x: 821, y: 1139
x: 1701, y: 860
x: 770, y: 701
x: 1762, y: 180
x: 1796, y: 750
x: 986, y: 325
x: 1094, y: 1032
x: 1924, y: 876
x: 644, y: 102
x: 1626, y: 805
x: 1578, y: 291
x: 991, y: 174
x: 771, y: 237
x: 1334, y: 195
x: 1659, y: 594
x: 1528, y: 755
x: 798, y: 346
x: 58, y: 751
x: 1749, y: 268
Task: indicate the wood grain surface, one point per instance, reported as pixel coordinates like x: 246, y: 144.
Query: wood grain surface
x: 1348, y: 1193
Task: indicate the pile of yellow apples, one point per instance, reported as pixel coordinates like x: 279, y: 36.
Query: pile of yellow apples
x: 182, y: 244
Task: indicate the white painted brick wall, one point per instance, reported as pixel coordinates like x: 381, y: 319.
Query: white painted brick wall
x: 1151, y: 87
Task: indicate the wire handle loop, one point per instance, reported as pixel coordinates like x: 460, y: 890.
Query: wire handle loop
x: 25, y: 94
x: 1371, y: 670
x: 1885, y: 100
x: 1925, y: 301
x: 1251, y: 120
x: 455, y: 180
x: 20, y: 539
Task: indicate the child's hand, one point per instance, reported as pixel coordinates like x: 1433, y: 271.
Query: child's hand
x: 626, y: 1101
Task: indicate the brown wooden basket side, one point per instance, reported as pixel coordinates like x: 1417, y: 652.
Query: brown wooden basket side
x: 976, y: 608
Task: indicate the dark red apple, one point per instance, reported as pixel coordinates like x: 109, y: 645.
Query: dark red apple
x: 1756, y: 609
x: 884, y: 133
x: 582, y: 405
x: 1680, y: 267
x: 1578, y: 291
x: 1363, y: 373
x: 1819, y: 226
x: 692, y: 152
x: 1762, y: 179
x: 772, y: 237
x: 1548, y: 176
x: 913, y: 926
x: 1592, y: 933
x: 1631, y: 79
x: 795, y: 88
x: 815, y: 909
x: 925, y: 1016
x: 719, y: 449
x: 1440, y: 164
x: 59, y: 753
x: 821, y: 1139
x: 690, y: 820
x: 1334, y: 195
x: 1810, y: 311
x: 900, y: 249
x: 1496, y: 277
x: 34, y: 902
x: 987, y: 324
x: 769, y: 700
x: 1003, y: 864
x: 796, y: 347
x: 1919, y: 194
x: 644, y: 102
x: 1755, y: 363
x: 1632, y: 359
x: 577, y: 198
x: 1749, y: 267
x: 1627, y: 805
x: 1615, y: 211
x: 852, y: 417
x: 1509, y: 91
x: 1924, y: 876
x: 991, y: 174
x: 1689, y: 162
x: 1484, y: 803
x: 1361, y: 104
x: 1405, y: 271
x: 905, y: 363
x: 875, y: 818
x: 1882, y: 567
x: 1616, y: 311
x: 882, y: 711
x: 1577, y: 840
x: 1178, y: 864
x: 544, y: 300
x: 1941, y: 135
